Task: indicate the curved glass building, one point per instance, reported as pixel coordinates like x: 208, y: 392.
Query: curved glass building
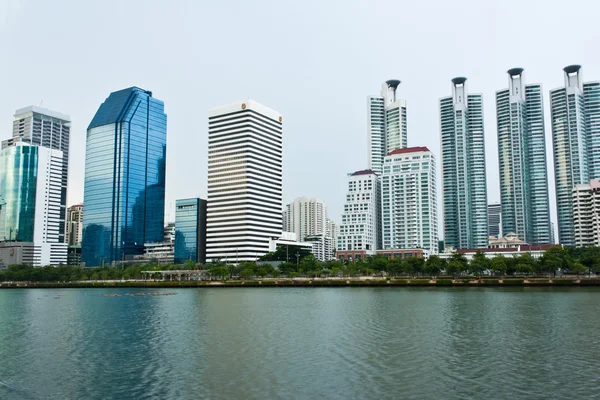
x: 124, y: 190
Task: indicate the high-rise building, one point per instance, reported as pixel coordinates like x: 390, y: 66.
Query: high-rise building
x: 495, y: 220
x: 124, y: 190
x: 41, y: 127
x: 245, y: 181
x: 575, y: 111
x: 361, y: 221
x: 190, y: 230
x: 30, y: 202
x: 331, y: 231
x: 522, y: 160
x: 74, y: 224
x: 409, y: 200
x: 586, y: 213
x: 464, y: 187
x: 322, y: 247
x: 305, y: 216
x: 387, y: 128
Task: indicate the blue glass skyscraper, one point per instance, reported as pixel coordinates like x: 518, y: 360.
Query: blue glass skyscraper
x: 190, y: 230
x: 124, y: 190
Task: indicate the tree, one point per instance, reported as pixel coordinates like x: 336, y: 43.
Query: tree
x: 578, y: 268
x: 555, y: 259
x: 591, y: 258
x: 479, y: 263
x: 219, y: 272
x: 498, y: 264
x: 462, y: 259
x: 454, y: 267
x: 246, y: 273
x: 434, y: 265
x: 415, y: 265
x: 310, y: 265
x: 524, y: 268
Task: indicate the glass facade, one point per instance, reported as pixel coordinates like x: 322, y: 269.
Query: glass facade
x: 575, y: 111
x: 464, y: 184
x: 190, y: 230
x: 522, y: 160
x: 18, y: 181
x: 124, y: 191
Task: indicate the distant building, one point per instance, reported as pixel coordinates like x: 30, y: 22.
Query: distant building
x: 41, y: 127
x: 305, y: 216
x: 522, y: 159
x: 464, y: 187
x: 510, y: 240
x: 74, y: 225
x: 387, y: 124
x: 245, y: 181
x: 30, y: 203
x: 536, y: 251
x: 361, y: 221
x: 323, y: 247
x: 409, y: 200
x: 190, y: 230
x: 74, y: 255
x: 357, y: 255
x: 575, y: 120
x: 495, y: 219
x: 586, y: 213
x: 124, y: 187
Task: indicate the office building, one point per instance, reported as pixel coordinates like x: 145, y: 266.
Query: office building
x: 586, y: 214
x: 387, y: 128
x: 245, y: 181
x: 190, y: 230
x: 124, y: 188
x: 361, y: 221
x: 495, y: 220
x: 323, y: 247
x: 464, y: 188
x: 522, y: 159
x: 74, y: 224
x: 575, y: 114
x: 409, y: 200
x: 41, y: 127
x: 305, y: 217
x: 30, y: 204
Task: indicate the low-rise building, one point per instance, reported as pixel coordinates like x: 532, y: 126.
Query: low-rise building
x: 356, y: 255
x: 360, y: 229
x: 586, y: 213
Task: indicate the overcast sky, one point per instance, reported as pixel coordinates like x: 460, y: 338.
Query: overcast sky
x: 315, y: 61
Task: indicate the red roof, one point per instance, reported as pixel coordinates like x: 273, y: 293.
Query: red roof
x: 364, y: 172
x: 408, y: 150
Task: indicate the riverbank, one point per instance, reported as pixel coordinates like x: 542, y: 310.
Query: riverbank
x: 311, y: 283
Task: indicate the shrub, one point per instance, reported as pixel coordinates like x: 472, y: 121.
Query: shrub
x: 444, y: 282
x: 590, y: 282
x: 563, y: 281
x: 490, y: 281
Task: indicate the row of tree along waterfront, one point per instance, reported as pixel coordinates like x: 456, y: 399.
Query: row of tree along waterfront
x: 566, y: 260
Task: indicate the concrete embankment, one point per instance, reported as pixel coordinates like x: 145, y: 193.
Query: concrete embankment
x: 313, y: 283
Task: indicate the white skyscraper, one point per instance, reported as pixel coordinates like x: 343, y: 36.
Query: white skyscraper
x: 409, y: 200
x: 245, y: 178
x: 387, y: 128
x: 30, y: 205
x: 361, y: 227
x: 305, y: 216
x: 41, y: 127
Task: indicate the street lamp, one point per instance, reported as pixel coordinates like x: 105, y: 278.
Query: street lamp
x: 297, y: 262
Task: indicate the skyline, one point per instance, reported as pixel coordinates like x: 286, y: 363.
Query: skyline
x: 324, y: 104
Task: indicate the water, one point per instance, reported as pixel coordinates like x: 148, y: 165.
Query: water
x: 326, y: 343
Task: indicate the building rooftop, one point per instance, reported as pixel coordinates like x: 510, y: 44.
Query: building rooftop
x: 408, y: 150
x: 364, y: 172
x: 115, y: 107
x: 22, y: 112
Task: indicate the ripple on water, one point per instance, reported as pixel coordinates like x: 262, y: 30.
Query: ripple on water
x: 342, y: 343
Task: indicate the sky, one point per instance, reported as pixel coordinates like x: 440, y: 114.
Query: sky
x: 314, y: 61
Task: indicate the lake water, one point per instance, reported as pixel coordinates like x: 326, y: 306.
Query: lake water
x: 300, y: 343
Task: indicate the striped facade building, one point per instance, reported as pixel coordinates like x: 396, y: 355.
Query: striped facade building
x: 245, y: 179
